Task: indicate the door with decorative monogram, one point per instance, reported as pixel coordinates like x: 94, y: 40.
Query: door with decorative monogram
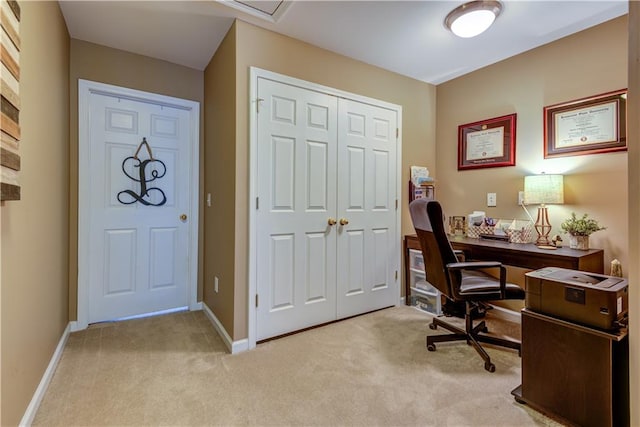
x: 137, y: 201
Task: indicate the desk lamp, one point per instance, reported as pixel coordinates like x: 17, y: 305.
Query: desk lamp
x: 543, y: 189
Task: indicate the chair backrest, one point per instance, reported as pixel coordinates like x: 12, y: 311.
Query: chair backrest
x: 429, y: 223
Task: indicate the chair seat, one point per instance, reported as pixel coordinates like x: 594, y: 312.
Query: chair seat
x: 481, y: 286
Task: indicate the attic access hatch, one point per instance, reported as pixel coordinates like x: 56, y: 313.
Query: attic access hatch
x: 268, y: 10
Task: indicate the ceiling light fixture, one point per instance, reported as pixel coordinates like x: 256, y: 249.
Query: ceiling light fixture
x: 473, y: 18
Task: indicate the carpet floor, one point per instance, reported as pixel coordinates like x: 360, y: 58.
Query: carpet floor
x: 371, y: 370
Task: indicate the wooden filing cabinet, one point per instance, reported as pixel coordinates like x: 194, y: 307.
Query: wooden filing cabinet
x: 576, y: 374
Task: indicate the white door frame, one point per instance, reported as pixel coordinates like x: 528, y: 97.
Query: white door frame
x: 85, y: 89
x: 256, y: 73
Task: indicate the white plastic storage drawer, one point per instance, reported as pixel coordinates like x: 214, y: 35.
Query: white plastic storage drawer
x: 418, y: 282
x: 423, y: 294
x: 430, y: 303
x: 415, y: 260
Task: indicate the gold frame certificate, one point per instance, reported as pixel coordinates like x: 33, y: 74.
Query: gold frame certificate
x: 586, y: 126
x: 487, y: 143
x: 590, y: 125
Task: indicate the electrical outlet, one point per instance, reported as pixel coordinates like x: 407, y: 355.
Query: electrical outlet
x: 520, y: 198
x: 215, y: 284
x: 491, y: 199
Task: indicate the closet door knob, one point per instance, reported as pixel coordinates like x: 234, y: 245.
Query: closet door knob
x: 331, y: 221
x: 183, y: 217
x: 344, y: 221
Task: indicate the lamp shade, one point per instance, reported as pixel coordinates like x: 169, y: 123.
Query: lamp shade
x: 543, y: 189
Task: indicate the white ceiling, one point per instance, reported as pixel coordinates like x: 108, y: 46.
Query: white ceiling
x: 407, y: 37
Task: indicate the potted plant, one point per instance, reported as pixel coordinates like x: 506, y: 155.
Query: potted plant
x: 579, y: 230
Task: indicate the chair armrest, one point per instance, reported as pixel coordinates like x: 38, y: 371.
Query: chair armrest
x: 473, y: 265
x: 477, y: 265
x: 460, y: 255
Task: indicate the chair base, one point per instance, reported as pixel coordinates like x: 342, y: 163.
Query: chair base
x: 472, y: 335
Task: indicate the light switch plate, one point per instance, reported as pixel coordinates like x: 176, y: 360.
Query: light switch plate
x: 491, y: 199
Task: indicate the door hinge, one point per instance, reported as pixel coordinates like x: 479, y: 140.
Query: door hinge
x: 257, y: 203
x: 397, y: 133
x: 258, y: 101
x: 256, y: 300
x: 396, y: 204
x: 396, y: 274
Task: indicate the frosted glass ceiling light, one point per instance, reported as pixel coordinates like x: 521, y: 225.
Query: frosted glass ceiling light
x: 473, y: 18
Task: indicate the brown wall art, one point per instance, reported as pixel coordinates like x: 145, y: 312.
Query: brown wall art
x: 10, y: 102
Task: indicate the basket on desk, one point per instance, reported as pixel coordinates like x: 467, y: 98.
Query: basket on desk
x: 520, y: 231
x: 474, y: 231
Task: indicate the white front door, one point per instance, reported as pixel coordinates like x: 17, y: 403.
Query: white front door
x: 136, y: 204
x: 367, y: 237
x: 296, y: 181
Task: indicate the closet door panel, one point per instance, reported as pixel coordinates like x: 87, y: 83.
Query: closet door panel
x: 296, y: 258
x: 367, y: 150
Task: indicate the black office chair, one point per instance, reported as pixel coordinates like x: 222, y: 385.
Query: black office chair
x: 459, y: 281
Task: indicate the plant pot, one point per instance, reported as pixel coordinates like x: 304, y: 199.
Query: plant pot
x: 579, y: 242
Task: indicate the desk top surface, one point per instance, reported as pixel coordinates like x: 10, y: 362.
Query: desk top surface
x: 527, y: 255
x: 461, y: 241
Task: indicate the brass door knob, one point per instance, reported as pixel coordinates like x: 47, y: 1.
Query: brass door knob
x: 331, y: 221
x: 344, y: 221
x: 183, y: 217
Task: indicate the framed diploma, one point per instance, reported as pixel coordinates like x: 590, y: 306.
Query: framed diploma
x: 488, y: 143
x: 597, y: 124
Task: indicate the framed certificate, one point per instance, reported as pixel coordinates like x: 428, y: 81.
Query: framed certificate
x: 586, y: 126
x: 488, y: 143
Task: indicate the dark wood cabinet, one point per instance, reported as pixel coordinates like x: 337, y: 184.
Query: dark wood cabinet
x: 577, y: 374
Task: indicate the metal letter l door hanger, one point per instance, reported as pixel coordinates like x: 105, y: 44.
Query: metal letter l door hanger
x: 155, y: 168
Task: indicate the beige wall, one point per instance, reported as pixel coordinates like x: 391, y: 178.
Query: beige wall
x: 607, y: 186
x: 219, y: 179
x: 274, y: 52
x: 634, y: 209
x: 524, y: 84
x: 35, y: 230
x: 106, y: 65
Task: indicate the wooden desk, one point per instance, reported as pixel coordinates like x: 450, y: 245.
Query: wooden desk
x: 577, y: 374
x: 515, y: 254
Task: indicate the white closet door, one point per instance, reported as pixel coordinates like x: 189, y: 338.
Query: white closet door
x: 367, y: 244
x: 296, y: 258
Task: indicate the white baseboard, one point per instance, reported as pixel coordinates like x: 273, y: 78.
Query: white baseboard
x: 233, y: 346
x: 30, y: 413
x: 74, y: 326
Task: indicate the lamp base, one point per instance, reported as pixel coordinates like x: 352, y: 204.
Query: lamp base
x: 542, y: 226
x: 550, y: 247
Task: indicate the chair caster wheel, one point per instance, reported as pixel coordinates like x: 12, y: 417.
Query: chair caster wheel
x: 490, y: 367
x: 433, y: 326
x: 431, y: 347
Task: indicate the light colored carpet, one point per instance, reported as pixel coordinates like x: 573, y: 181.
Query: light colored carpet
x: 366, y: 371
